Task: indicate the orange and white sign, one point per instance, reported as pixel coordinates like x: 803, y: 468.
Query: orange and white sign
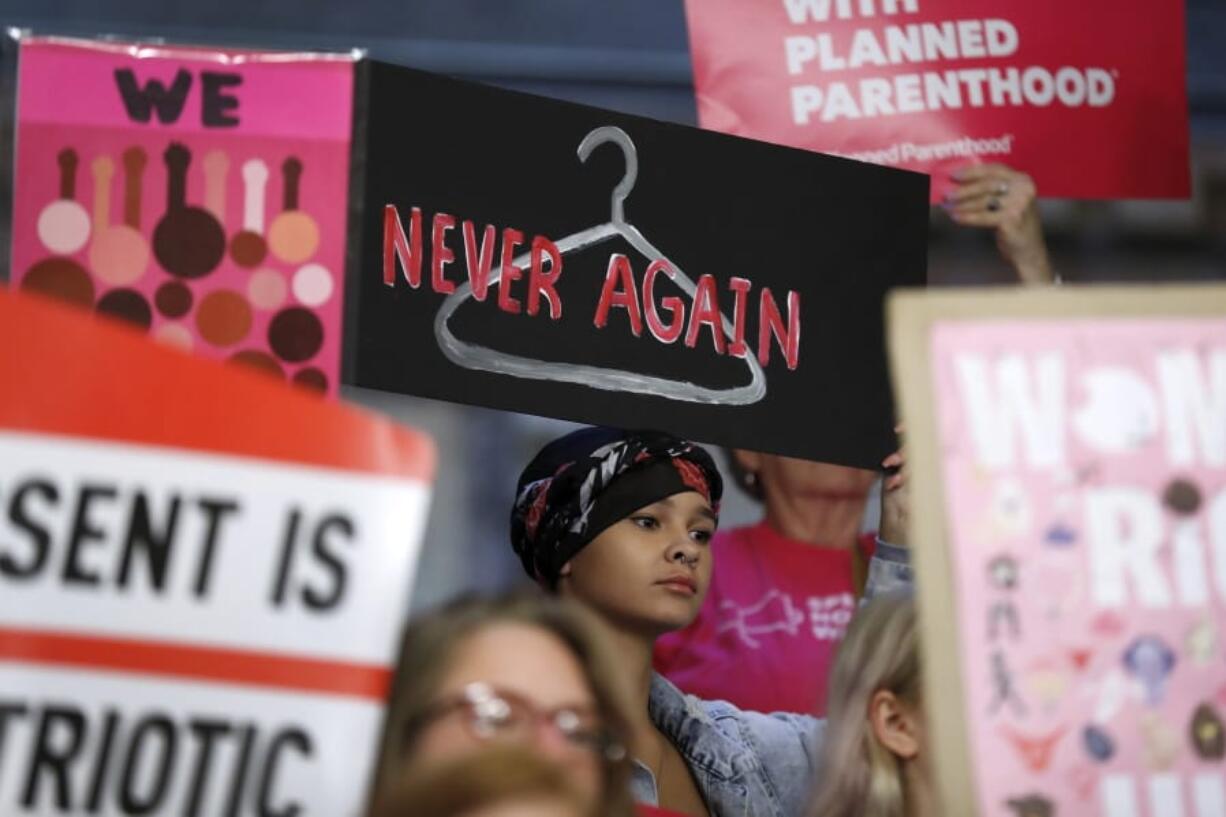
x: 202, y: 579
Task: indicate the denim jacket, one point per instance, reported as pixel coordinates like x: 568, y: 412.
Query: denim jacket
x: 749, y: 764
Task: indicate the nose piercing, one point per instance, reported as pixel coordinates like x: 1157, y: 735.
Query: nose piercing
x: 687, y: 560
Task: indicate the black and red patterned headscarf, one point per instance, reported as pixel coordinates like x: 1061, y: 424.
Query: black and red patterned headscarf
x: 582, y: 483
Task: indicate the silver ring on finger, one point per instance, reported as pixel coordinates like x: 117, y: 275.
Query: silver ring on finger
x: 993, y: 204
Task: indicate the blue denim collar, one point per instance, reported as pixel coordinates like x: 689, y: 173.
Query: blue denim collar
x: 702, y: 742
x: 750, y: 764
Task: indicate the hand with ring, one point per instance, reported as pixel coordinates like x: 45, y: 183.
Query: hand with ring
x: 996, y: 197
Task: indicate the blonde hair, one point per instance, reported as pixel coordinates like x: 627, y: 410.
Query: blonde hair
x: 858, y: 776
x: 432, y: 639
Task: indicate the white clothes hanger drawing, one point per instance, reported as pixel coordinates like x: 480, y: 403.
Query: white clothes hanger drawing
x: 482, y: 358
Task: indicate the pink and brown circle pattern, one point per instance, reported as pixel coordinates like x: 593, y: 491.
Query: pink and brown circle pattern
x: 226, y: 248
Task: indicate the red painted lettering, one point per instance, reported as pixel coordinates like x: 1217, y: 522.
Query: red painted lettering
x: 770, y: 322
x: 740, y: 286
x: 706, y: 313
x: 541, y: 281
x: 511, y: 238
x: 440, y: 254
x: 479, y: 263
x: 619, y: 272
x: 674, y: 305
x: 396, y: 246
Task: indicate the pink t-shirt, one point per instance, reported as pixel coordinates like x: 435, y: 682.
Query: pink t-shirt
x: 766, y: 635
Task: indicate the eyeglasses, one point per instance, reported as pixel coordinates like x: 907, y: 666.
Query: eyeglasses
x: 497, y: 715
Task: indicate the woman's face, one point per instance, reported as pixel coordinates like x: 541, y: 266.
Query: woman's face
x: 650, y: 571
x: 530, y: 665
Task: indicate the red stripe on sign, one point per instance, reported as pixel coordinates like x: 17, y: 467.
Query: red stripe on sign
x: 196, y: 663
x: 68, y: 373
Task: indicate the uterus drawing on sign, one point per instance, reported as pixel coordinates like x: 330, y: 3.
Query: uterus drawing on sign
x: 1150, y: 661
x: 1004, y: 686
x: 483, y: 358
x: 1003, y: 576
x: 774, y: 612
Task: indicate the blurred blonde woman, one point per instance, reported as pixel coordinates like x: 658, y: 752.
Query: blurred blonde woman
x: 520, y: 670
x: 875, y: 761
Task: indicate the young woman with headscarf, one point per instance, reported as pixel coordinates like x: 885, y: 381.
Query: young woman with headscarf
x: 621, y: 522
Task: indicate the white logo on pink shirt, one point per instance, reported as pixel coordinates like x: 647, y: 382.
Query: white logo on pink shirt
x: 830, y: 615
x: 776, y: 612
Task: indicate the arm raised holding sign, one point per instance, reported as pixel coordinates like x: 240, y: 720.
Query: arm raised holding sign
x: 787, y: 586
x: 994, y: 196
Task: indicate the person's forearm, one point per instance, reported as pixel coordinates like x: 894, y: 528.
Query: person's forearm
x: 1036, y: 268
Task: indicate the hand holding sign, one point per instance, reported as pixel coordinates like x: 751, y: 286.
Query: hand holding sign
x: 997, y: 197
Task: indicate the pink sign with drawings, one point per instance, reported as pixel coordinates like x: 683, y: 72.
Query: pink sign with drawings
x: 198, y: 194
x: 1073, y: 559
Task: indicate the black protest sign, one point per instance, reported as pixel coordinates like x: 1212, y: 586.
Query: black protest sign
x: 555, y: 259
